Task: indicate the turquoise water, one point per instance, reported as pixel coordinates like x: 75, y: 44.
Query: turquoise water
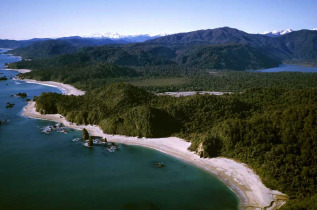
x: 50, y: 171
x: 289, y: 68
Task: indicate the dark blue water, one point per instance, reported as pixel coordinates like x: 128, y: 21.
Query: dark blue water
x: 289, y: 68
x: 50, y: 171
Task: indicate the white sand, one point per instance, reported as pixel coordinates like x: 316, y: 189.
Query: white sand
x: 238, y: 176
x: 65, y: 88
x: 19, y: 70
x: 189, y: 93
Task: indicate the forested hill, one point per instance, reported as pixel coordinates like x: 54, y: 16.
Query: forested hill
x: 300, y: 45
x: 7, y: 43
x: 45, y: 49
x: 68, y: 45
x: 235, y: 57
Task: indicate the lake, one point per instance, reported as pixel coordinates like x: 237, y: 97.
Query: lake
x: 289, y: 68
x: 51, y: 171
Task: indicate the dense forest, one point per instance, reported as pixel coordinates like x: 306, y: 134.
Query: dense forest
x: 271, y: 129
x: 227, y: 56
x: 162, y: 78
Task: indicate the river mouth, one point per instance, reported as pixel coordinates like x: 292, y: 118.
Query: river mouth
x: 51, y: 171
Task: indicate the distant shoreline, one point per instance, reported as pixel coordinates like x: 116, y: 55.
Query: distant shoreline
x: 65, y: 88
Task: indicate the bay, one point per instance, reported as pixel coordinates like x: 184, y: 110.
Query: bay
x: 51, y: 171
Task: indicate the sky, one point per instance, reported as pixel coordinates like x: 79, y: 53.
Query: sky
x: 25, y: 19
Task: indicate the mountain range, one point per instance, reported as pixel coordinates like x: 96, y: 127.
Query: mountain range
x: 97, y: 39
x: 220, y: 48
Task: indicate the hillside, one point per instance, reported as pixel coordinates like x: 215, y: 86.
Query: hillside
x: 12, y: 44
x: 60, y: 46
x: 234, y: 57
x: 45, y: 49
x: 300, y: 45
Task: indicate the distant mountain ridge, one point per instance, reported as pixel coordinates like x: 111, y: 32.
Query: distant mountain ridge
x: 220, y: 48
x: 297, y: 45
x: 129, y: 38
x: 92, y: 40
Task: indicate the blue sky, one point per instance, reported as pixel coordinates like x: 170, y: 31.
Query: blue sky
x: 23, y: 19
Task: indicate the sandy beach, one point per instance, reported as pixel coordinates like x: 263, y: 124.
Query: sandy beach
x: 65, y: 88
x: 253, y: 194
x: 19, y: 70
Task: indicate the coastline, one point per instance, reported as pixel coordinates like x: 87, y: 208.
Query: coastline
x: 252, y: 193
x: 65, y: 88
x: 248, y: 187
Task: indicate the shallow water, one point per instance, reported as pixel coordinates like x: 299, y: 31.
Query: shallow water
x: 50, y: 171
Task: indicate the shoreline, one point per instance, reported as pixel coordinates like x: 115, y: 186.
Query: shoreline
x: 242, y: 180
x: 65, y: 88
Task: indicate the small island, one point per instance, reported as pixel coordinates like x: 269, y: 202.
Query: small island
x: 22, y: 95
x: 9, y: 105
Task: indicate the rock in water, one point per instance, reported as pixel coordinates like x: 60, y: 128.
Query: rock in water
x: 85, y: 134
x: 90, y: 142
x: 159, y: 165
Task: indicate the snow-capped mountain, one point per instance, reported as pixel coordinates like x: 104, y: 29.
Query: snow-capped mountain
x: 109, y: 35
x: 278, y: 32
x: 282, y: 32
x: 127, y: 38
